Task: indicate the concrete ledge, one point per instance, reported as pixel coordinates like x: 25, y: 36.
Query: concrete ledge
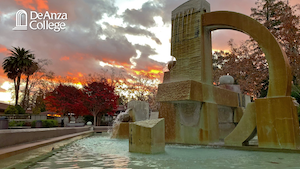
x: 147, y: 136
x: 102, y: 128
x: 12, y: 137
x: 191, y: 90
x: 75, y: 124
x: 21, y: 148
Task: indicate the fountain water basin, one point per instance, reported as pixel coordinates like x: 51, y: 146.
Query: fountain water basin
x: 100, y: 152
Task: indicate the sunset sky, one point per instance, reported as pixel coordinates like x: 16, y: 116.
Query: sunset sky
x: 128, y: 35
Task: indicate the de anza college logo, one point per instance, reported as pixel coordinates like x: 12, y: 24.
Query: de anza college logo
x: 40, y: 21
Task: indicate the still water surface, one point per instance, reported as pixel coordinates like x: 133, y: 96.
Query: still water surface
x: 99, y: 152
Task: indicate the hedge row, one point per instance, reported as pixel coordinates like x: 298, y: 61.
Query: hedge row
x: 46, y: 123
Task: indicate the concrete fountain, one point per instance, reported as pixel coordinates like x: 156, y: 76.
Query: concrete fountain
x: 190, y: 103
x: 197, y: 112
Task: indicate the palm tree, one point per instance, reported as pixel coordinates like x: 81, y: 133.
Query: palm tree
x: 28, y: 71
x: 15, y: 64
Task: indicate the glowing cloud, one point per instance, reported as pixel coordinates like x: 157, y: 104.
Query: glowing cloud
x: 64, y: 58
x: 103, y: 64
x: 3, y: 49
x: 6, y: 85
x: 41, y: 4
x: 26, y: 3
x: 153, y: 74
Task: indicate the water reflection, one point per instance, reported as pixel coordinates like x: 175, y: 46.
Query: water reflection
x: 99, y: 152
x: 115, y: 161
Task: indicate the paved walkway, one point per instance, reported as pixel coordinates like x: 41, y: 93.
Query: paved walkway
x: 17, y: 149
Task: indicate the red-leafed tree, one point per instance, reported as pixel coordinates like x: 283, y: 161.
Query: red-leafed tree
x: 100, y: 99
x: 66, y: 99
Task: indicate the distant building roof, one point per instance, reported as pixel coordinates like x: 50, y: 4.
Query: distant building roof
x: 120, y: 108
x: 3, y: 106
x: 47, y: 112
x: 28, y: 112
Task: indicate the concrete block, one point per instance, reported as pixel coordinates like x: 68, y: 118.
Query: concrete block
x: 225, y: 114
x: 168, y: 112
x: 139, y: 110
x: 121, y: 131
x: 231, y: 87
x: 277, y: 123
x: 154, y: 115
x: 147, y: 136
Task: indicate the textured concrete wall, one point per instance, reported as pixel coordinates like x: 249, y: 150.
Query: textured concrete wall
x: 121, y: 131
x: 147, y: 136
x: 186, y: 40
x: 277, y: 123
x: 19, y: 136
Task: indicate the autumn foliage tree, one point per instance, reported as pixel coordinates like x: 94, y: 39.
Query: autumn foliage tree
x: 247, y: 66
x: 283, y: 22
x: 66, y: 99
x: 246, y: 62
x: 100, y: 99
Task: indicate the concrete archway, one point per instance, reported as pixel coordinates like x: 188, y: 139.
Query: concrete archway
x: 279, y: 70
x: 274, y: 117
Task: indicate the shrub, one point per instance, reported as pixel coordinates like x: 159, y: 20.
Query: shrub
x: 12, y: 123
x: 11, y: 110
x: 36, y: 110
x: 49, y: 123
x: 14, y: 110
x: 33, y: 124
x: 16, y: 123
x: 20, y: 109
x: 20, y: 123
x: 46, y: 123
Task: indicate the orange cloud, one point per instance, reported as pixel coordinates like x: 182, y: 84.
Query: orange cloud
x: 75, y: 78
x: 156, y: 71
x: 118, y: 64
x: 3, y: 49
x: 40, y: 4
x: 153, y: 74
x: 64, y: 58
x: 2, y: 74
x: 26, y: 3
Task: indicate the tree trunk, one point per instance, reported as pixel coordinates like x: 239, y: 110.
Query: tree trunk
x: 17, y: 89
x: 100, y: 118
x: 15, y: 84
x: 26, y: 97
x: 95, y: 119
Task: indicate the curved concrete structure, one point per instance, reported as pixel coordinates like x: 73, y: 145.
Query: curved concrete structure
x: 245, y: 130
x: 276, y: 117
x: 279, y: 70
x: 190, y: 80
